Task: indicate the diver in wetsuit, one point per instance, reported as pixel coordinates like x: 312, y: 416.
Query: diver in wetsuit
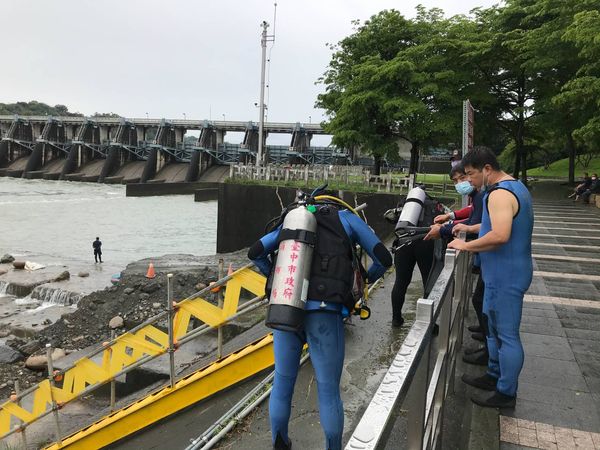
x: 97, y: 246
x: 329, y: 301
x: 504, y: 247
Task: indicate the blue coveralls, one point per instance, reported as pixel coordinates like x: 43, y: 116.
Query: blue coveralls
x: 324, y: 333
x: 507, y: 272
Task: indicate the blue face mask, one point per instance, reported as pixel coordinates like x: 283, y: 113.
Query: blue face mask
x: 464, y: 188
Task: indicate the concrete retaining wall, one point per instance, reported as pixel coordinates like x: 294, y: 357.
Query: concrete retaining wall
x: 244, y: 211
x: 149, y: 189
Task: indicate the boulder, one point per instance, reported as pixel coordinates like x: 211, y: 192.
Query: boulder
x: 156, y: 305
x: 8, y: 355
x: 151, y: 287
x: 40, y: 362
x: 63, y: 276
x: 128, y: 291
x: 200, y: 286
x: 144, y: 296
x: 116, y: 322
x: 19, y: 265
x: 6, y: 259
x: 3, y: 271
x: 83, y: 274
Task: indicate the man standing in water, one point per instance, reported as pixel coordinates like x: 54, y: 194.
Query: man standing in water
x: 97, y: 245
x: 504, y: 246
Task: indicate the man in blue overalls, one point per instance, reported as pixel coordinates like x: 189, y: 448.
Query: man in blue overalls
x: 504, y: 246
x: 338, y: 231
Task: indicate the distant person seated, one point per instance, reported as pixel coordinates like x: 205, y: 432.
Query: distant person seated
x: 593, y: 189
x: 97, y: 246
x: 582, y: 187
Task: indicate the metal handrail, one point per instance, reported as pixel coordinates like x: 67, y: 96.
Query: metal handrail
x: 241, y: 309
x: 410, y: 383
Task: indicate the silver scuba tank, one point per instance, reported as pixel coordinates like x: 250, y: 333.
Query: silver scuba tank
x: 291, y: 273
x: 412, y: 209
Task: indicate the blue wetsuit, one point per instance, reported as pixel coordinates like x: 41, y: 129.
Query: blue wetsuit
x: 324, y: 333
x: 507, y: 272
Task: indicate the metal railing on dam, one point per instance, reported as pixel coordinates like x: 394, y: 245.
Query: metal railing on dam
x: 188, y: 124
x: 421, y: 375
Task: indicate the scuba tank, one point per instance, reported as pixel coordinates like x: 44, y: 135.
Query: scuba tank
x: 407, y: 230
x: 289, y: 288
x: 412, y: 209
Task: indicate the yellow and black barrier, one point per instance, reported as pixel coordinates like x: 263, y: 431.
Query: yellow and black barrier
x: 130, y: 350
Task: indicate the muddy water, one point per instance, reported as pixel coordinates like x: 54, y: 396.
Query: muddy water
x: 60, y: 219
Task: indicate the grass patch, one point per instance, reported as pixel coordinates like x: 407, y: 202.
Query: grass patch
x: 560, y: 169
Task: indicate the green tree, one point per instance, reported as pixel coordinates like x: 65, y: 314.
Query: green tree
x: 546, y: 51
x: 392, y: 79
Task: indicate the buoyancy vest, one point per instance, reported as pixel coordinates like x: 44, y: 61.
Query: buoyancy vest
x: 332, y: 271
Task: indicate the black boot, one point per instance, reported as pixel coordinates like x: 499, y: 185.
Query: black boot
x: 496, y: 400
x: 473, y: 349
x: 280, y: 443
x: 478, y: 337
x: 485, y: 382
x: 478, y: 359
x: 397, y: 323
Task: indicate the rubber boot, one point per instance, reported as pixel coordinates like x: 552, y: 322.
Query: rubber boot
x: 496, y: 400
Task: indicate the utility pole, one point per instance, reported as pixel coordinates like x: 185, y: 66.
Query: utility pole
x: 261, y: 123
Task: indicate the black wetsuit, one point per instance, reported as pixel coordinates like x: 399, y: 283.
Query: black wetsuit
x: 97, y: 244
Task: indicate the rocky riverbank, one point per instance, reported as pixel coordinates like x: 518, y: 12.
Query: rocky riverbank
x: 121, y: 307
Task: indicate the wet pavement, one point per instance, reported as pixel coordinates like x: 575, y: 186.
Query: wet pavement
x: 370, y: 347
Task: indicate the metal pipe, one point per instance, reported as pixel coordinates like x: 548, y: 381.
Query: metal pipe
x: 261, y: 122
x: 23, y: 432
x: 232, y: 418
x: 220, y: 304
x: 52, y: 384
x: 171, y: 340
x: 113, y: 383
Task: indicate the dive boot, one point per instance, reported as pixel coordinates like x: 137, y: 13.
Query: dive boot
x: 485, y: 382
x: 280, y: 443
x: 478, y: 359
x: 478, y: 337
x: 496, y: 400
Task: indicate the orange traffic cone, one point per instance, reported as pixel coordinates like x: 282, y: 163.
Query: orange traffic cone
x: 230, y: 270
x: 150, y: 273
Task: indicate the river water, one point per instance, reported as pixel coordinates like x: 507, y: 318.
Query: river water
x: 60, y: 219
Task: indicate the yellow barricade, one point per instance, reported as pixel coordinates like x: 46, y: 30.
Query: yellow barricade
x: 129, y: 348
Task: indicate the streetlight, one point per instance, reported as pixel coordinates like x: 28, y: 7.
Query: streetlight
x: 309, y: 119
x: 146, y: 115
x: 223, y: 117
x: 184, y: 116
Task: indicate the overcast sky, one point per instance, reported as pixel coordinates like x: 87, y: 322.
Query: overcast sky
x: 167, y: 58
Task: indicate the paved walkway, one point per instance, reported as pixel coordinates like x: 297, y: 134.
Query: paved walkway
x: 558, y: 405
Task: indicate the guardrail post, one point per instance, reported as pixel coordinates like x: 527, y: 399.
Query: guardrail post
x: 170, y: 327
x: 52, y: 384
x: 416, y: 400
x: 220, y: 303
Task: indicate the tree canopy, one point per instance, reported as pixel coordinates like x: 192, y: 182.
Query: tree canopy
x: 529, y: 67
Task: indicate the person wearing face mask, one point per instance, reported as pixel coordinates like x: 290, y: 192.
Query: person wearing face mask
x: 477, y: 354
x: 504, y: 247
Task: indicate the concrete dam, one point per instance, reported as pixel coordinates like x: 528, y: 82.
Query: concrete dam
x: 121, y: 150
